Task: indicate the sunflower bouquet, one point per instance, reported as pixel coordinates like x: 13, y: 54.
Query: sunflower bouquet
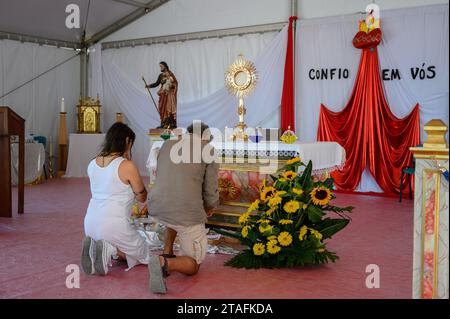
x: 288, y: 225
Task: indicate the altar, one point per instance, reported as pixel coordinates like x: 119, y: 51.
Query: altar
x: 82, y: 149
x: 243, y: 166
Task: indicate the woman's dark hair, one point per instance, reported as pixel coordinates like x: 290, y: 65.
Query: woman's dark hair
x: 165, y: 65
x: 116, y: 139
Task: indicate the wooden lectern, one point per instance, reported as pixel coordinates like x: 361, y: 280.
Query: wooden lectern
x: 10, y: 124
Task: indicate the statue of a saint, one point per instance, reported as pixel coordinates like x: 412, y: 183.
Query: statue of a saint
x: 167, y: 96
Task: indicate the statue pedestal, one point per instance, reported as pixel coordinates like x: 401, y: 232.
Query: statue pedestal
x: 431, y: 220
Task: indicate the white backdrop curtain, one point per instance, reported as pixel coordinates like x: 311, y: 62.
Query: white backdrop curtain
x: 199, y: 67
x: 412, y: 38
x: 38, y: 102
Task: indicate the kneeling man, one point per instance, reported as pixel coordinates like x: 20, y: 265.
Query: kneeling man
x: 185, y: 194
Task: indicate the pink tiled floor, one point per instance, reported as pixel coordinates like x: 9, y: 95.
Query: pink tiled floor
x: 36, y: 247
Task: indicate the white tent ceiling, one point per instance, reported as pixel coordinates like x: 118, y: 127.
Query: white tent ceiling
x: 46, y: 18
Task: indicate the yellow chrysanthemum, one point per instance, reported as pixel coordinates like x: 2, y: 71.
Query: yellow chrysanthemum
x: 284, y: 238
x: 305, y: 206
x: 267, y: 193
x: 253, y: 206
x: 297, y: 191
x: 292, y: 206
x: 272, y: 237
x: 317, y: 234
x: 285, y: 221
x: 274, y: 201
x: 244, y: 218
x: 244, y: 231
x: 293, y: 161
x: 320, y: 250
x: 303, y: 231
x: 320, y: 195
x: 258, y: 249
x: 272, y: 247
x: 264, y: 227
x: 290, y: 175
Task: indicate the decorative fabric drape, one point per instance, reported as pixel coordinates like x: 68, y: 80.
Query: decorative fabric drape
x: 414, y: 40
x: 370, y: 133
x: 288, y: 95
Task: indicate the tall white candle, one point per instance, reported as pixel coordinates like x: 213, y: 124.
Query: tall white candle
x: 63, y: 106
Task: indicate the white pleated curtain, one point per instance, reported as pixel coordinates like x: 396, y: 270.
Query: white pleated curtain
x: 199, y: 67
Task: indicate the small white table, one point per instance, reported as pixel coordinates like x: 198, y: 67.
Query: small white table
x: 82, y: 149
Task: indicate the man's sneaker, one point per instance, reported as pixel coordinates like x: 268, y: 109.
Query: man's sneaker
x: 88, y: 256
x: 103, y: 254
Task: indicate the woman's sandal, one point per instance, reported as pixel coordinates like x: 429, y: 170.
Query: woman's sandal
x: 165, y: 268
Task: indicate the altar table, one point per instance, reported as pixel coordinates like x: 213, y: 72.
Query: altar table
x: 243, y: 166
x: 82, y: 149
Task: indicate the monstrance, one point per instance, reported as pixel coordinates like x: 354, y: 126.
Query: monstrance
x: 240, y: 80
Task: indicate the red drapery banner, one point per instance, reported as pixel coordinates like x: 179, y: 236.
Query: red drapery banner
x: 287, y: 97
x: 371, y: 134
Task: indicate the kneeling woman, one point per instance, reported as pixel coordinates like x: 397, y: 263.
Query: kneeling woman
x: 115, y: 182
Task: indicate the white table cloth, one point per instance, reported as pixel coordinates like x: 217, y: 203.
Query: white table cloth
x: 325, y: 156
x: 34, y: 162
x: 82, y: 149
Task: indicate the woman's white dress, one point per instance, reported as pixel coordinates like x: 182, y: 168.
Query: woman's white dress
x: 108, y: 212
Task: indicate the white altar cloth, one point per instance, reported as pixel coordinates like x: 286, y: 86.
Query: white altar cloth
x: 34, y: 162
x: 325, y: 156
x: 82, y: 149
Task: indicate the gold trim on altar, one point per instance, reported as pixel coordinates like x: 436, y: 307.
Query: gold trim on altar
x: 88, y: 115
x: 435, y: 147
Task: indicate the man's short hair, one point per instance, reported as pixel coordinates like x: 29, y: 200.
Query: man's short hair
x: 197, y: 127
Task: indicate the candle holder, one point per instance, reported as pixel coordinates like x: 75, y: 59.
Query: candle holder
x: 62, y: 144
x: 119, y: 117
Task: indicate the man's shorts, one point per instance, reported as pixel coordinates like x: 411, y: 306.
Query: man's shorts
x: 193, y: 240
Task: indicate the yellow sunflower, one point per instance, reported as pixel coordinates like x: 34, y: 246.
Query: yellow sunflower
x: 320, y: 195
x: 285, y: 221
x: 303, y: 231
x: 297, y: 191
x: 244, y: 231
x: 290, y: 175
x: 292, y: 206
x: 244, y: 218
x: 267, y: 193
x: 317, y: 234
x: 284, y: 238
x: 274, y: 201
x: 262, y: 185
x: 293, y: 160
x: 253, y: 206
x: 282, y: 179
x: 272, y: 247
x: 258, y: 249
x: 271, y: 210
